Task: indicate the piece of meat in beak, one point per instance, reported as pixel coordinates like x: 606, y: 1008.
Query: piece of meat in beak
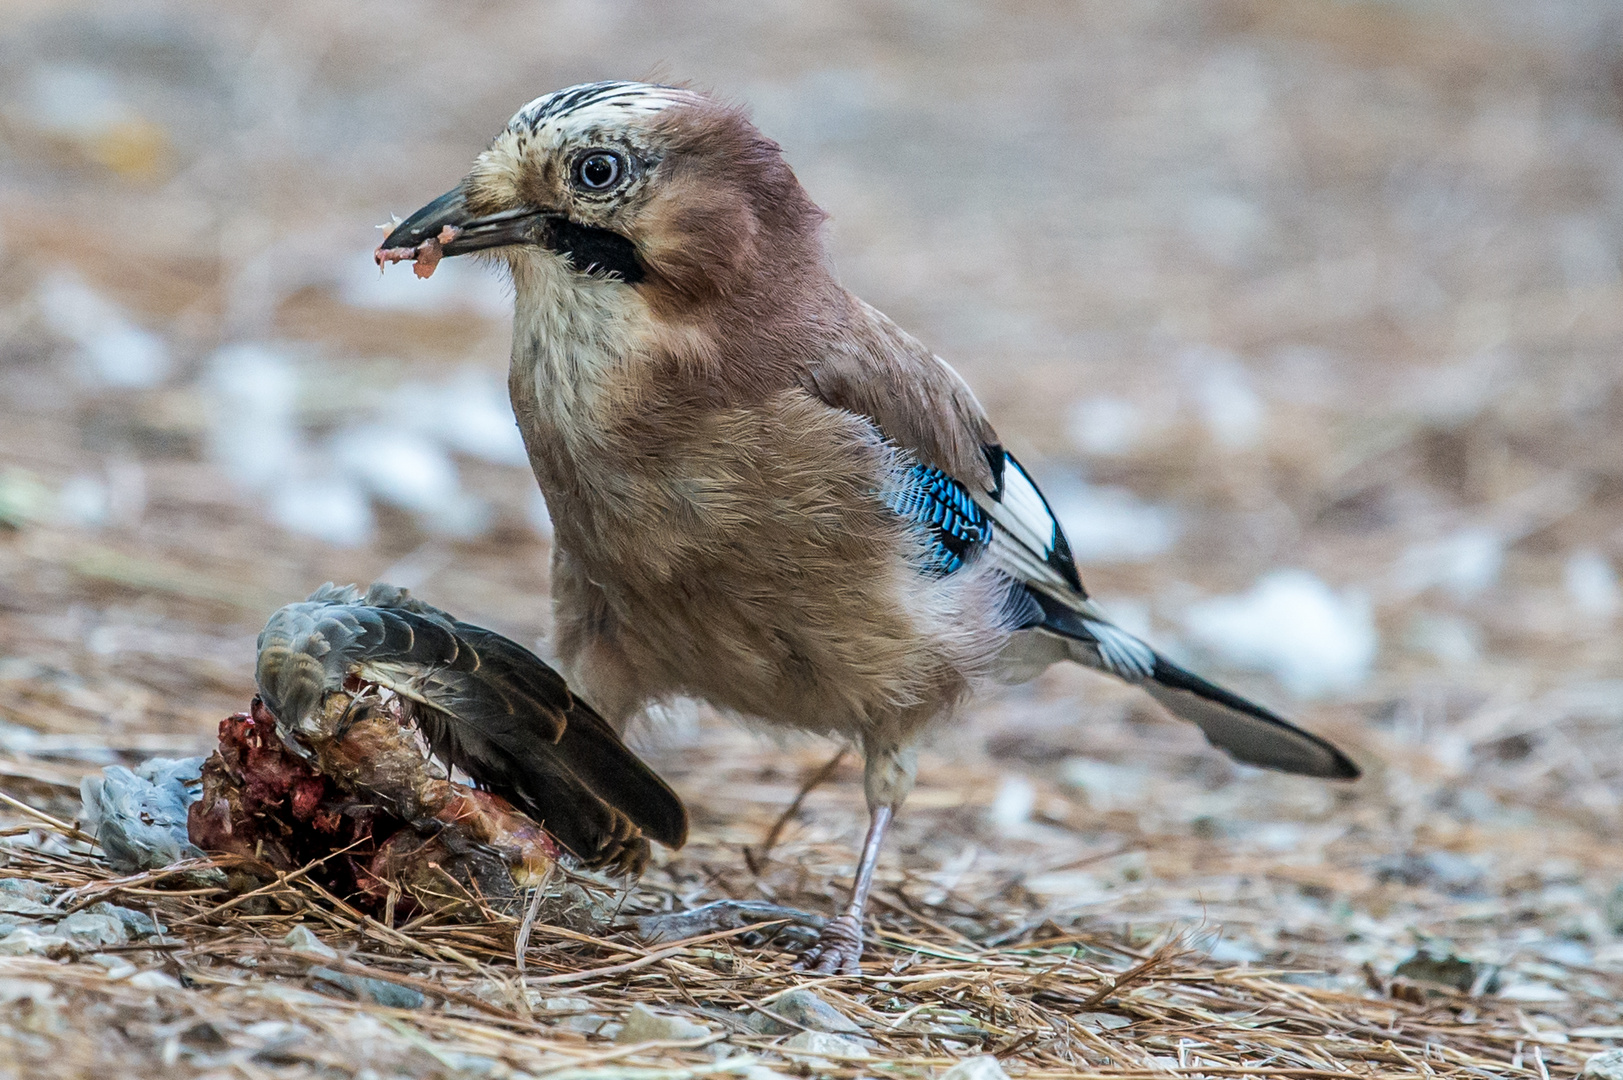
x: 447, y: 226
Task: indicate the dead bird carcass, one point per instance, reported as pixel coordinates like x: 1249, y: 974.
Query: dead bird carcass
x: 327, y: 764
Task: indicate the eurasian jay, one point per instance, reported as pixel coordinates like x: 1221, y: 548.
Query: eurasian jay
x: 765, y: 494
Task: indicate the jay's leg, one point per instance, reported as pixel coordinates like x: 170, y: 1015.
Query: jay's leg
x: 839, y: 948
x: 888, y: 778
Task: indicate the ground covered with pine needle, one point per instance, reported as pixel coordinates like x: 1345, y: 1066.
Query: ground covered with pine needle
x: 1306, y: 314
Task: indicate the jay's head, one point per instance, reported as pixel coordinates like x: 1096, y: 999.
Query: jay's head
x: 630, y: 186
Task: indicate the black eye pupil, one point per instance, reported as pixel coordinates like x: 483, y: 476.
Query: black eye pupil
x: 599, y: 171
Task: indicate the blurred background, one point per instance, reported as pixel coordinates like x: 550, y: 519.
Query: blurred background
x: 1307, y: 315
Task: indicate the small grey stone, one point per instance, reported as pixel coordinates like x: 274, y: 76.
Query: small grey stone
x: 462, y: 1064
x: 984, y: 1067
x: 1102, y: 1021
x: 1606, y: 1065
x: 643, y: 1024
x: 137, y: 924
x: 1447, y: 871
x: 824, y: 1044
x: 503, y: 995
x: 587, y: 1023
x: 37, y: 891
x: 361, y: 988
x: 761, y: 1072
x: 805, y: 1009
x: 1614, y: 910
x: 155, y: 980
x: 278, y: 1039
x: 794, y: 924
x: 304, y: 943
x: 14, y: 904
x: 566, y: 1004
x: 117, y: 966
x: 27, y: 941
x: 89, y: 928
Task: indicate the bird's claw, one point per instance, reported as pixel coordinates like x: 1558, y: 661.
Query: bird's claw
x: 838, y: 950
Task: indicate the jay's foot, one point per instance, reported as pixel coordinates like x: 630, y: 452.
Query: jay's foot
x: 838, y: 951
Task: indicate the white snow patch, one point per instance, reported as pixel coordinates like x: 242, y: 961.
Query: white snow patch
x: 1225, y: 396
x: 252, y: 390
x: 1291, y: 624
x: 1447, y: 638
x: 1464, y: 564
x: 328, y: 508
x: 1106, y: 786
x: 83, y: 501
x: 1106, y: 426
x: 412, y: 473
x: 113, y: 351
x: 1591, y: 583
x: 1013, y: 805
x: 396, y: 466
x: 469, y: 412
x: 1110, y: 524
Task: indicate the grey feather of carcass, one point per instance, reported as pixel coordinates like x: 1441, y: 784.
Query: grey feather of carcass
x: 139, y: 815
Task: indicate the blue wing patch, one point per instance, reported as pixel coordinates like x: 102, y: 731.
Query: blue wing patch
x: 939, y: 506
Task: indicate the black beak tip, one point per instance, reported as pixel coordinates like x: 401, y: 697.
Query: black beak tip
x: 399, y: 238
x: 428, y: 222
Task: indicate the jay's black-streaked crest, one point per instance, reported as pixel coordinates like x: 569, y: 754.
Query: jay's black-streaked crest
x: 764, y: 493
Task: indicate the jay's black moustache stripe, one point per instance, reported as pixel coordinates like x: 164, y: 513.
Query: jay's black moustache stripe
x: 594, y: 251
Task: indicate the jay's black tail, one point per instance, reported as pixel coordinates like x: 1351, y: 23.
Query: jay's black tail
x: 1245, y: 730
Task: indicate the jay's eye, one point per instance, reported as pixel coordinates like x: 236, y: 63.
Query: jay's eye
x: 598, y: 171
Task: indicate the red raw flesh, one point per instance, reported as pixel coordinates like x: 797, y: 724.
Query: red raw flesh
x: 361, y: 795
x: 424, y: 257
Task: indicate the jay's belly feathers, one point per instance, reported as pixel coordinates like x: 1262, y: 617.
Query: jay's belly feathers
x: 750, y: 554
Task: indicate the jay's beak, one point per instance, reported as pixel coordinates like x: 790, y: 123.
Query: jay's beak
x: 458, y: 231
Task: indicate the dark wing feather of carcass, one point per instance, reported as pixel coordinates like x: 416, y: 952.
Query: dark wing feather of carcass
x: 486, y: 705
x: 525, y: 736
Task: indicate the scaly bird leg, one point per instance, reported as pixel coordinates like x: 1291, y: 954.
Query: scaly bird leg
x: 839, y: 950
